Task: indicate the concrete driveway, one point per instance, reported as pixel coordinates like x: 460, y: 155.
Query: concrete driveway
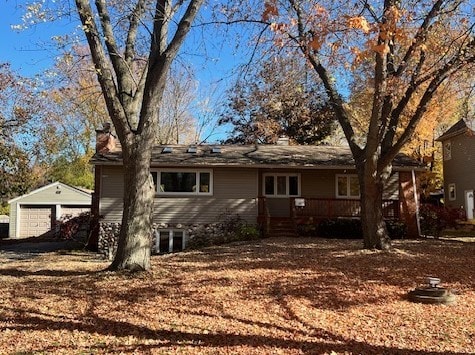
x: 30, y: 249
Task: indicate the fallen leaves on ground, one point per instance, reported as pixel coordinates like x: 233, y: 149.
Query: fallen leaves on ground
x: 274, y: 296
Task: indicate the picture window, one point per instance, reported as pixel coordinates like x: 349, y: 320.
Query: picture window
x: 182, y: 182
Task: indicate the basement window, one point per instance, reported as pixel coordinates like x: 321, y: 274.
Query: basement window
x: 169, y: 240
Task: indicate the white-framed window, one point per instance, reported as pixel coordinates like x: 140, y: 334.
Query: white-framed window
x: 183, y: 182
x: 281, y: 185
x: 452, y: 192
x: 447, y: 150
x: 347, y: 186
x: 169, y: 240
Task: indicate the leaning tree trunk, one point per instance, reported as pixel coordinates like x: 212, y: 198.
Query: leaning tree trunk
x: 134, y: 245
x: 375, y: 234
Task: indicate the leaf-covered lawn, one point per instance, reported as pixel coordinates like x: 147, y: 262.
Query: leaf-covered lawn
x: 273, y: 296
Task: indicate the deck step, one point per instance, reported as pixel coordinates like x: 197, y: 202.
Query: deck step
x: 281, y: 228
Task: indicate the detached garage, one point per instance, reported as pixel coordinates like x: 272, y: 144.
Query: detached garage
x: 35, y: 214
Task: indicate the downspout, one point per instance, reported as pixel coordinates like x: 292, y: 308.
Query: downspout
x: 416, y: 199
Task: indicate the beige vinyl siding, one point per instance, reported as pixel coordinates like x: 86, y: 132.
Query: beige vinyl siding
x: 112, y: 187
x: 460, y: 169
x: 234, y: 190
x: 57, y: 196
x: 13, y: 220
x: 278, y: 206
x: 73, y: 211
x: 319, y: 183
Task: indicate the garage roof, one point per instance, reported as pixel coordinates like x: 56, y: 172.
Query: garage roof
x: 63, y: 193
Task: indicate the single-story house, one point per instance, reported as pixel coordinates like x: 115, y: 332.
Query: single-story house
x: 458, y: 151
x: 274, y: 186
x: 35, y: 214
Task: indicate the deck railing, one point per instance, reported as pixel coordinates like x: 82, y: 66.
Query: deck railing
x: 319, y: 208
x: 332, y: 208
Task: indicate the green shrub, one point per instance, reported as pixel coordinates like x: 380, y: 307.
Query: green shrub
x: 307, y: 230
x: 340, y: 228
x: 248, y: 232
x: 229, y: 228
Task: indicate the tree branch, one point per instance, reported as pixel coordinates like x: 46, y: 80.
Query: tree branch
x: 335, y: 98
x: 420, y: 36
x: 162, y: 55
x: 103, y: 71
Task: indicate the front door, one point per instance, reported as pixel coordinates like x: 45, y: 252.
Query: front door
x: 469, y: 204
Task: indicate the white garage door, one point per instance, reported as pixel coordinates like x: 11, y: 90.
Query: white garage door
x: 35, y: 220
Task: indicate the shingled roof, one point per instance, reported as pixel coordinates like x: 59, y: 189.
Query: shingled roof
x: 459, y: 128
x: 324, y: 157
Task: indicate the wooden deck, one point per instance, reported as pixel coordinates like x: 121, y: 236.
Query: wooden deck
x: 317, y: 209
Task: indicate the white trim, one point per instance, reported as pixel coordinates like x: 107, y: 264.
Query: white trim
x: 170, y: 240
x: 62, y: 203
x: 17, y: 222
x: 347, y: 196
x: 416, y: 199
x: 49, y: 186
x: 182, y: 170
x: 447, y: 153
x: 171, y: 234
x: 57, y: 212
x: 287, y: 185
x: 455, y: 192
x: 466, y: 192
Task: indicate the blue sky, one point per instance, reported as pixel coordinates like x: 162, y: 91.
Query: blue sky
x: 23, y: 50
x: 30, y: 52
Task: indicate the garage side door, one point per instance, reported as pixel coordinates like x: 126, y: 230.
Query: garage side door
x: 35, y: 220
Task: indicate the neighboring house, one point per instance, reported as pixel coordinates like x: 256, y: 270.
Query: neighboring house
x: 35, y: 214
x: 268, y: 185
x: 458, y: 152
x: 4, y: 221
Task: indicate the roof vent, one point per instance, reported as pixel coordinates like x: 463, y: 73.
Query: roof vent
x: 216, y: 150
x: 191, y: 149
x: 167, y: 150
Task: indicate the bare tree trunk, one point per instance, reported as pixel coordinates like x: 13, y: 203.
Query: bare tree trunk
x: 375, y: 234
x: 134, y: 248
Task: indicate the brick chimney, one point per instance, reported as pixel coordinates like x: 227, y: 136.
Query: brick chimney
x: 105, y: 140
